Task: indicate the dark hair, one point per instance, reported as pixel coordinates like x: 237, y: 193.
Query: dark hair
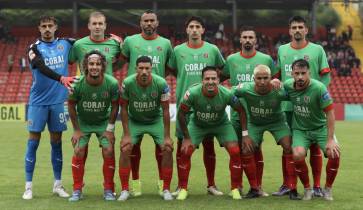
x: 298, y: 19
x: 209, y: 68
x: 45, y: 18
x: 247, y: 28
x: 143, y: 59
x: 149, y: 12
x: 85, y: 60
x: 301, y: 63
x: 194, y: 18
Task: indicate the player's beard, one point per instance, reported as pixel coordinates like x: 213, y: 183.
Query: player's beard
x: 298, y: 36
x: 248, y: 46
x: 301, y: 83
x: 149, y: 30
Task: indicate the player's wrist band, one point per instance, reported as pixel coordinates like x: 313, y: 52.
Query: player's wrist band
x: 245, y: 133
x: 110, y: 127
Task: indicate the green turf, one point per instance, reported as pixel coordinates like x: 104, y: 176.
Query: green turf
x: 347, y: 189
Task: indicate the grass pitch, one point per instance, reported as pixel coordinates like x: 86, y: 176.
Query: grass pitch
x: 348, y: 186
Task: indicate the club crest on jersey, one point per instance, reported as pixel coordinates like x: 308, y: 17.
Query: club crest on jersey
x: 94, y: 96
x: 205, y: 55
x: 306, y: 57
x: 307, y: 99
x: 105, y: 94
x: 107, y: 50
x: 154, y: 94
x: 248, y: 67
x: 326, y: 96
x: 159, y: 48
x: 60, y: 47
x: 186, y: 95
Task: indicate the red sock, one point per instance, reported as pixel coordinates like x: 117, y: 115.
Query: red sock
x: 235, y: 166
x: 124, y: 174
x: 249, y: 166
x: 108, y: 172
x: 209, y: 158
x: 290, y: 171
x: 177, y: 157
x: 77, y: 172
x: 284, y: 173
x: 302, y: 171
x: 159, y: 158
x: 259, y: 166
x: 135, y: 161
x: 167, y: 174
x: 331, y: 171
x: 316, y: 163
x: 184, y: 168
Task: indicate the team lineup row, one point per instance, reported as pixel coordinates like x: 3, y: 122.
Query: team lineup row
x: 298, y: 111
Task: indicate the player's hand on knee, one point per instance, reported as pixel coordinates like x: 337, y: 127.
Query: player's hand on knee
x: 168, y: 144
x: 187, y: 143
x: 110, y: 137
x: 125, y: 144
x: 332, y: 149
x: 276, y: 84
x: 76, y: 137
x: 247, y: 144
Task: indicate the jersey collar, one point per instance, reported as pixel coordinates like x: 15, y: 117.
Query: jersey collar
x: 96, y: 41
x: 195, y: 47
x: 248, y: 56
x: 298, y: 48
x: 205, y: 93
x: 153, y: 37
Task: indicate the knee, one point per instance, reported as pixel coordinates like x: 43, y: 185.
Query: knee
x: 299, y: 153
x: 287, y: 149
x: 108, y: 151
x: 79, y: 151
x: 233, y: 150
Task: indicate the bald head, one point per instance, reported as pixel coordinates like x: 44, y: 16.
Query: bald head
x: 262, y: 68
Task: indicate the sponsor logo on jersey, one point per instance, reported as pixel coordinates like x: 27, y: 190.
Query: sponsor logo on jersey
x: 301, y: 111
x: 257, y: 111
x: 207, y: 116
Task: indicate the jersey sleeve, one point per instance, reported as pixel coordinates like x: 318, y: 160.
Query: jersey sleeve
x: 125, y: 49
x: 124, y: 93
x: 239, y: 90
x: 74, y: 96
x: 226, y: 69
x: 165, y: 92
x: 272, y: 66
x: 187, y: 101
x: 233, y: 101
x: 324, y: 68
x: 172, y: 61
x: 278, y: 69
x: 73, y: 53
x: 115, y: 94
x: 219, y: 62
x: 325, y: 98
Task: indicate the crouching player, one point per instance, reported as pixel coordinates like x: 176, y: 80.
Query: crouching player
x: 264, y: 109
x: 312, y: 122
x: 93, y: 108
x: 209, y: 118
x: 145, y: 110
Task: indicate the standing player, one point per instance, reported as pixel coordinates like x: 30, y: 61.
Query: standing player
x: 239, y: 68
x: 93, y: 108
x: 142, y: 96
x: 48, y: 58
x: 300, y: 48
x: 109, y: 45
x: 159, y: 49
x: 209, y: 118
x: 187, y: 63
x: 264, y: 114
x: 312, y: 121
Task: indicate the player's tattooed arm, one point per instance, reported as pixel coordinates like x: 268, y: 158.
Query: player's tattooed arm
x: 332, y: 147
x: 125, y: 143
x: 36, y: 60
x: 73, y: 116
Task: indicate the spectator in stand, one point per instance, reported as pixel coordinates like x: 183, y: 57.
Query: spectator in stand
x: 10, y: 62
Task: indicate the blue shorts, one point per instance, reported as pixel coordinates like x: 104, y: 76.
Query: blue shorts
x: 53, y: 115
